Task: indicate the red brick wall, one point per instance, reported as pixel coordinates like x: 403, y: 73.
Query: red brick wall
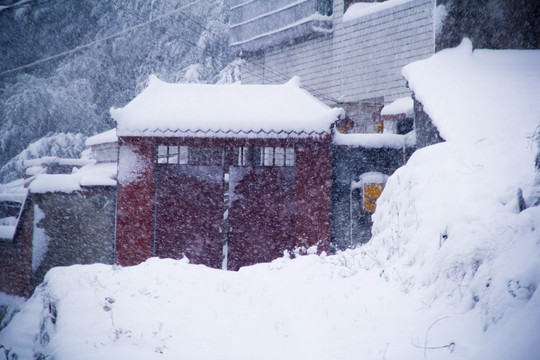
x: 134, y: 215
x: 16, y: 256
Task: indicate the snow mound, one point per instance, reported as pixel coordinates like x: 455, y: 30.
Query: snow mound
x: 460, y: 222
x: 479, y: 95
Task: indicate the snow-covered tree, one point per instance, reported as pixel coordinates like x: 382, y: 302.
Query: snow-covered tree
x: 73, y: 93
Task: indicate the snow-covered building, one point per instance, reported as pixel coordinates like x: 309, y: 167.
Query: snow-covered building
x: 59, y: 215
x: 226, y: 175
x: 347, y: 53
x: 501, y: 83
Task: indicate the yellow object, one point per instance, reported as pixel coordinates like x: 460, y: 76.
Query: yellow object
x: 371, y: 193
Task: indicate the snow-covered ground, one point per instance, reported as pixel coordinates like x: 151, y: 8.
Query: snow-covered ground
x: 452, y: 271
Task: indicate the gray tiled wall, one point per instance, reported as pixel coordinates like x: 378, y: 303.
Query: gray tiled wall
x: 361, y: 59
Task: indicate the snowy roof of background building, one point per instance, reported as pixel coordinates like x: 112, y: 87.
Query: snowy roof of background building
x: 90, y: 175
x: 376, y: 141
x: 474, y: 95
x: 164, y: 109
x: 102, y: 138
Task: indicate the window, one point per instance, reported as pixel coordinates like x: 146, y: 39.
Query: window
x: 219, y: 156
x: 172, y: 154
x: 267, y: 156
x: 324, y: 7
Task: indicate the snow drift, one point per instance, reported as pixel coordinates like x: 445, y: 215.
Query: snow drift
x: 452, y: 271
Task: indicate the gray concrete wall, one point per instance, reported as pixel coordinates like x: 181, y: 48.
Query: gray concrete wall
x: 80, y: 227
x: 361, y: 59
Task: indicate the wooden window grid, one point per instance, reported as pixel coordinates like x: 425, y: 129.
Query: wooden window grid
x: 219, y: 156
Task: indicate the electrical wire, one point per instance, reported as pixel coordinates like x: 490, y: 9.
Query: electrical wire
x: 85, y: 46
x: 284, y: 77
x: 205, y: 33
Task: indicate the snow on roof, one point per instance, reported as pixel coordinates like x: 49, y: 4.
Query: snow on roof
x: 103, y: 174
x: 7, y: 232
x: 18, y: 196
x: 224, y: 110
x: 475, y: 95
x: 48, y: 160
x: 362, y: 9
x: 102, y: 138
x: 403, y: 105
x: 394, y: 141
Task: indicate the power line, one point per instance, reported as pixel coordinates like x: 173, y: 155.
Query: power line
x: 263, y: 67
x: 141, y: 19
x: 145, y: 23
x: 78, y: 48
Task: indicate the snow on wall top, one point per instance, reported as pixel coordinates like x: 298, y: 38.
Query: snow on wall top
x: 224, y: 110
x: 481, y: 94
x: 362, y: 9
x: 403, y: 105
x: 102, y: 138
x: 375, y: 141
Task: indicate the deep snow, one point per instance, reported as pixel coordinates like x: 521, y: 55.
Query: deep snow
x: 452, y: 271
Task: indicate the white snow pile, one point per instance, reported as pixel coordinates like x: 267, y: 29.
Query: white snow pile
x: 9, y: 306
x: 399, y: 106
x: 452, y: 271
x: 223, y: 110
x: 460, y: 221
x: 313, y: 307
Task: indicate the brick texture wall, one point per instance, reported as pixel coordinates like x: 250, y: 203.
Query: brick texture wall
x: 361, y: 59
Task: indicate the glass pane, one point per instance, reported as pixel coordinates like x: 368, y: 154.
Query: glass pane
x: 268, y: 156
x: 257, y: 158
x: 162, y: 154
x: 243, y: 156
x: 279, y: 156
x: 289, y: 157
x: 183, y: 155
x: 173, y: 155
